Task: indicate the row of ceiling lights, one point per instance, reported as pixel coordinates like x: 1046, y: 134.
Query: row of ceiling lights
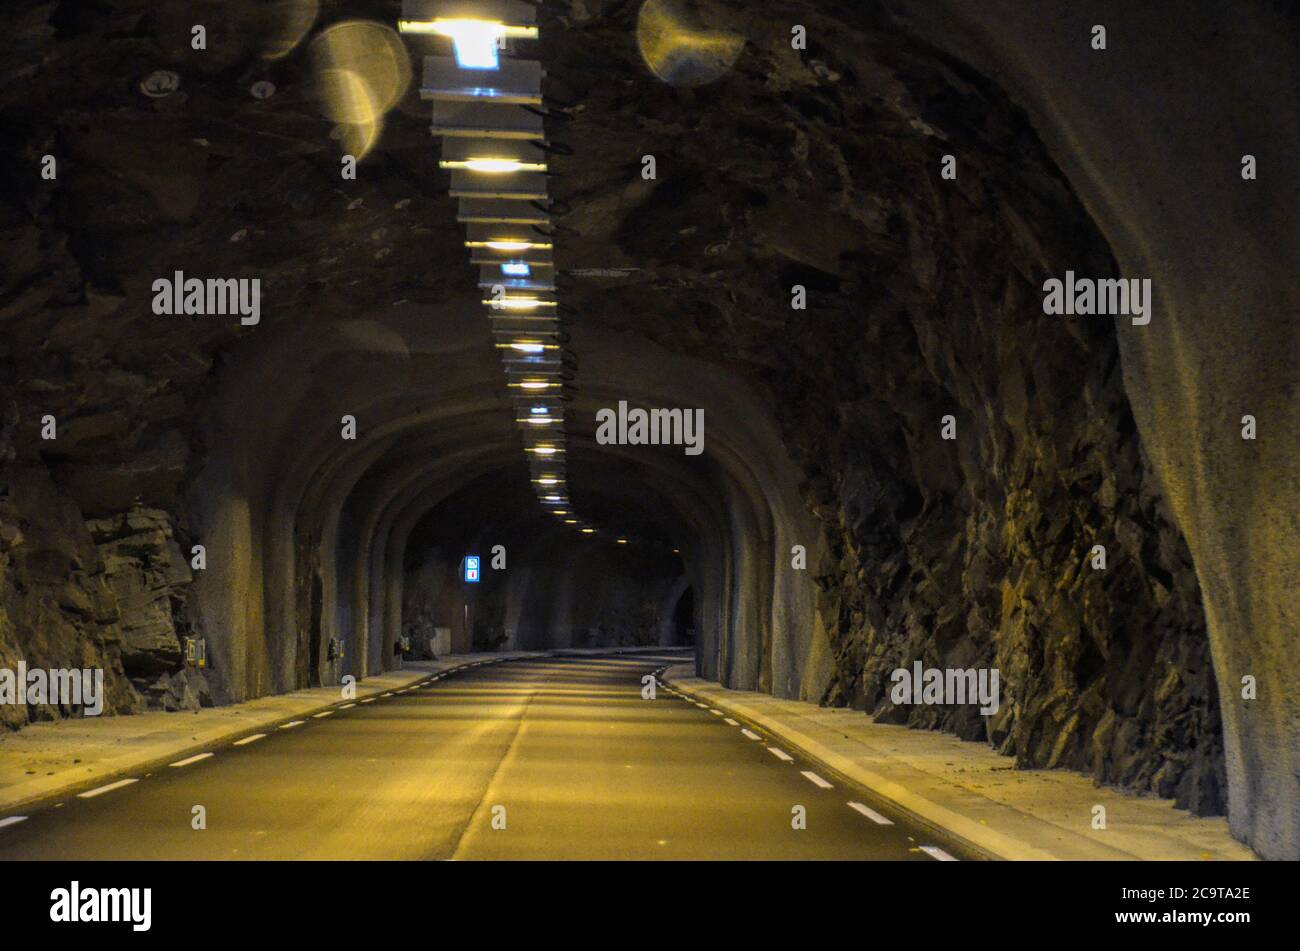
x: 487, y: 107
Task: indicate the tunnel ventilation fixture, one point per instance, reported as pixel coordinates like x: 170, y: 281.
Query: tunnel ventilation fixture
x: 485, y: 109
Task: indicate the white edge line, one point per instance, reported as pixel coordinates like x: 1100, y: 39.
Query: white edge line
x: 12, y: 821
x: 323, y: 713
x: 871, y: 814
x: 100, y: 790
x: 192, y: 759
x: 347, y: 706
x: 291, y: 724
x: 730, y: 722
x: 250, y: 739
x: 750, y: 733
x: 780, y: 754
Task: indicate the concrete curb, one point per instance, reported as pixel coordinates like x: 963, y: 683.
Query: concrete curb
x: 1048, y: 843
x: 240, y: 719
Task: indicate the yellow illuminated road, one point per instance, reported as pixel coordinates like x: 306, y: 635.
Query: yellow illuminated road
x: 560, y: 758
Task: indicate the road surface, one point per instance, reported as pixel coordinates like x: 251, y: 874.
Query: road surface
x: 563, y: 752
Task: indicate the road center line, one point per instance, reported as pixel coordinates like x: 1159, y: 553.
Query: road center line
x: 192, y: 759
x: 937, y: 853
x: 99, y: 791
x: 871, y: 814
x: 816, y: 780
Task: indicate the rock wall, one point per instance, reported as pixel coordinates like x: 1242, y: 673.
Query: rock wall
x: 103, y: 594
x: 979, y: 551
x: 1153, y: 134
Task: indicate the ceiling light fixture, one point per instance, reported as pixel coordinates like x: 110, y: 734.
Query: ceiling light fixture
x: 476, y: 41
x: 518, y: 303
x: 493, y: 166
x: 510, y: 245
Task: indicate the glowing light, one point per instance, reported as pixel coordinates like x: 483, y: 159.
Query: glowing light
x: 518, y: 303
x: 570, y: 521
x: 544, y: 450
x: 510, y: 245
x: 589, y: 531
x: 554, y: 498
x: 538, y: 411
x: 622, y: 541
x: 539, y: 420
x: 516, y: 269
x: 536, y: 384
x: 527, y: 347
x: 450, y: 27
x: 476, y: 41
x: 493, y: 166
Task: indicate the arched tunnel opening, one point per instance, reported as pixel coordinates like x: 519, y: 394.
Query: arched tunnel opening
x: 924, y: 365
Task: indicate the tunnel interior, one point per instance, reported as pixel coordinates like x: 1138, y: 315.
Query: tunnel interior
x: 911, y: 464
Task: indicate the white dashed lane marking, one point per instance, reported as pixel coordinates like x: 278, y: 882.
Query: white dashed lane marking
x: 347, y: 706
x: 716, y: 713
x: 12, y: 821
x: 323, y: 713
x: 782, y: 755
x: 750, y: 733
x: 99, y: 791
x: 250, y: 739
x: 291, y: 724
x: 192, y: 759
x: 871, y: 814
x: 730, y: 722
x: 937, y: 853
x: 816, y: 780
x: 368, y: 700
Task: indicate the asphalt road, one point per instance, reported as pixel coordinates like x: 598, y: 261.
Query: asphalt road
x: 563, y: 752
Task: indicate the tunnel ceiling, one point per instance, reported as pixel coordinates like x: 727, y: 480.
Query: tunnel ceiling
x: 818, y: 168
